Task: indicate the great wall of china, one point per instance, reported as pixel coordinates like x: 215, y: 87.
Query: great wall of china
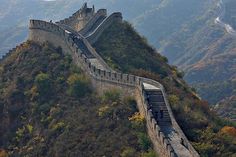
x: 75, y: 36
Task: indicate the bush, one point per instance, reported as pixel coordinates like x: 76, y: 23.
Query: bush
x: 144, y: 141
x: 29, y: 128
x: 3, y: 153
x: 57, y: 128
x: 43, y: 108
x: 111, y: 95
x: 128, y: 152
x: 78, y: 85
x: 20, y: 133
x: 103, y: 110
x: 150, y: 153
x: 173, y: 99
x: 229, y: 131
x: 43, y: 84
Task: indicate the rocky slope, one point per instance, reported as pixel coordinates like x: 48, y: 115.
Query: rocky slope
x: 48, y: 108
x: 125, y: 50
x: 207, y: 53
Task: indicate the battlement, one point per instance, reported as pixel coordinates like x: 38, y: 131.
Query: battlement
x: 85, y: 11
x: 79, y: 19
x: 104, y: 78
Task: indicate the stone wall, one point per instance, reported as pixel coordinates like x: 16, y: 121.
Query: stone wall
x: 93, y: 36
x: 41, y: 31
x: 80, y: 18
x: 101, y: 13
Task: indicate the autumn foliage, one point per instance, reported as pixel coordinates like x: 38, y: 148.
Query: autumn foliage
x: 3, y: 153
x: 229, y: 131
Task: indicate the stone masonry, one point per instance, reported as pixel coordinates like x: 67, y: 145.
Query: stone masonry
x: 75, y: 36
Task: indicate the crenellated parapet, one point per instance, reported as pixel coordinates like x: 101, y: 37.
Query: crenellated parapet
x: 93, y: 35
x: 167, y: 137
x: 94, y: 21
x: 104, y: 78
x: 80, y: 18
x: 89, y: 23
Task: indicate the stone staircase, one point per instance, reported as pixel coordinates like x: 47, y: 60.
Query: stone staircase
x: 167, y: 137
x: 96, y: 24
x: 156, y: 104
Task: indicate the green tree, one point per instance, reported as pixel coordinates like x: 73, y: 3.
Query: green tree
x: 78, y: 85
x: 144, y: 141
x: 43, y: 84
x: 128, y: 152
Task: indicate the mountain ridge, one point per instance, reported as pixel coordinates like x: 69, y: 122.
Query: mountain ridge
x: 162, y: 75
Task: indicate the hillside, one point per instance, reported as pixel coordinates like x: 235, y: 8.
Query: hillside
x: 230, y: 13
x: 48, y: 108
x: 142, y: 14
x: 206, y: 52
x: 184, y: 31
x: 125, y: 50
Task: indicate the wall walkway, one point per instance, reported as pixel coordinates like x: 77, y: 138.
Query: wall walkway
x: 168, y: 140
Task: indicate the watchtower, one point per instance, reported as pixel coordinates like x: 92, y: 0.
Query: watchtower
x: 80, y: 18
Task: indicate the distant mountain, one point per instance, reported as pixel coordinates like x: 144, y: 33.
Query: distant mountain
x: 206, y: 50
x: 15, y: 14
x: 230, y: 12
x: 49, y: 108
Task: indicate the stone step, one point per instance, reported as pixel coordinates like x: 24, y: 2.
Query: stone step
x: 164, y: 108
x: 164, y: 124
x: 159, y: 111
x: 153, y: 92
x: 165, y: 113
x: 161, y: 122
x: 157, y: 103
x: 156, y: 100
x: 156, y: 97
x: 163, y: 119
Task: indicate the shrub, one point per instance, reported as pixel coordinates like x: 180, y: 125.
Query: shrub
x: 150, y: 153
x: 229, y: 131
x: 20, y: 133
x: 29, y: 128
x: 144, y: 141
x: 43, y: 84
x: 173, y: 99
x: 180, y: 74
x: 206, y: 149
x: 58, y: 127
x: 3, y: 153
x: 128, y: 152
x: 33, y: 92
x: 103, y: 110
x: 78, y: 85
x: 43, y: 108
x: 137, y: 117
x: 131, y: 102
x: 54, y: 56
x: 111, y: 95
